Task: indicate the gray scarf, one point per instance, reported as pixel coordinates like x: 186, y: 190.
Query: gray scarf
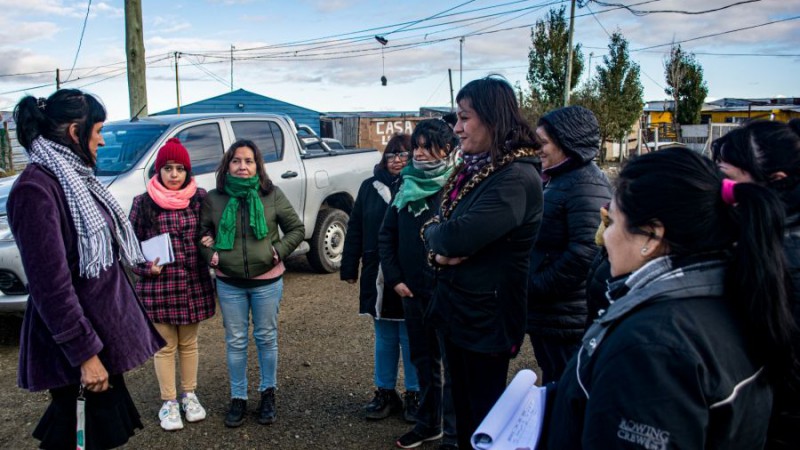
x: 95, y: 248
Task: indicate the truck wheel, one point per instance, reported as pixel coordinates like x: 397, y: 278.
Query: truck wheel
x: 327, y: 242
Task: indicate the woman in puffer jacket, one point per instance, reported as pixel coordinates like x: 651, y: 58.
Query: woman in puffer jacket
x: 574, y: 191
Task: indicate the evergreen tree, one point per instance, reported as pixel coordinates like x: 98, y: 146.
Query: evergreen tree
x: 619, y: 91
x: 685, y: 85
x: 547, y: 61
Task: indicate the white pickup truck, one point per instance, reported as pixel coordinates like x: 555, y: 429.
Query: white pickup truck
x: 321, y: 186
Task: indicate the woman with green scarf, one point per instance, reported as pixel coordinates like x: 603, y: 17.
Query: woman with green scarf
x: 243, y: 215
x: 405, y: 268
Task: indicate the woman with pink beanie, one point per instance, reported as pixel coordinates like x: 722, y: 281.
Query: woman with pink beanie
x: 179, y: 295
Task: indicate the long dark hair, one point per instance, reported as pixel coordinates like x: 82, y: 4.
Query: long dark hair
x: 222, y: 169
x: 495, y: 103
x: 680, y: 190
x: 53, y: 116
x: 150, y: 210
x: 761, y: 148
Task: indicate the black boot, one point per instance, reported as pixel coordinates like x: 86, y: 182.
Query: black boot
x: 383, y: 404
x: 410, y: 406
x: 235, y: 415
x: 266, y: 410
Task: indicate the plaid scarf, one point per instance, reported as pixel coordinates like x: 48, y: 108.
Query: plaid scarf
x: 95, y: 250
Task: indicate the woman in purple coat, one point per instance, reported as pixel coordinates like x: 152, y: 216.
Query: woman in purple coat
x: 179, y: 295
x: 83, y: 327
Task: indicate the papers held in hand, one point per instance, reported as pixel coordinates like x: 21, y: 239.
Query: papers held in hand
x: 515, y: 421
x: 158, y: 247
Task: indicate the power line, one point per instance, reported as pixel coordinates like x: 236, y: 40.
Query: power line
x: 80, y: 41
x: 717, y: 34
x: 640, y: 13
x: 609, y: 36
x: 429, y: 18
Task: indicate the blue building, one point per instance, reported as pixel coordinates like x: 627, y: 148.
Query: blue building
x: 246, y: 101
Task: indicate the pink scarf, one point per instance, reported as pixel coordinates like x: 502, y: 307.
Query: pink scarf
x: 168, y: 199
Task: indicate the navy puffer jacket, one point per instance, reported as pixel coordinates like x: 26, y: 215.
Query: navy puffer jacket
x: 565, y: 247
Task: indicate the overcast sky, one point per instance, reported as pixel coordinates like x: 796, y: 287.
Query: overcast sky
x: 322, y: 54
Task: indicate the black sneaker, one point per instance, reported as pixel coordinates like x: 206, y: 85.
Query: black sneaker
x: 383, y: 404
x: 410, y: 406
x: 235, y: 415
x: 266, y: 410
x: 413, y: 439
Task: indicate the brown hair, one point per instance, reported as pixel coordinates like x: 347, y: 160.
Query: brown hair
x: 222, y: 169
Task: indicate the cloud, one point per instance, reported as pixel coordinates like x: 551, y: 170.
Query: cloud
x: 20, y: 31
x: 329, y: 6
x: 58, y: 8
x: 230, y: 2
x: 24, y: 61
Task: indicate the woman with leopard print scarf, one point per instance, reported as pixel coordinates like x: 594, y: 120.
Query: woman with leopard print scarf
x: 480, y: 244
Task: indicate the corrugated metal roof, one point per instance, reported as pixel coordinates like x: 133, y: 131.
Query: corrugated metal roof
x: 242, y: 101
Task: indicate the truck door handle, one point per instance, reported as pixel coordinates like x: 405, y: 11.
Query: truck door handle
x: 289, y: 174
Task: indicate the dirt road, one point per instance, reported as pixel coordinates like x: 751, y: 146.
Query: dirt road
x: 324, y: 372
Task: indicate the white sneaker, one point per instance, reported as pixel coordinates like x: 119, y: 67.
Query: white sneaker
x: 192, y: 408
x: 170, y: 416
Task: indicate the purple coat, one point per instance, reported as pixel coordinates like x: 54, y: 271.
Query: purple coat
x: 69, y: 319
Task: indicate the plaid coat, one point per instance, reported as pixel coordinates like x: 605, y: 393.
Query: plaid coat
x: 182, y: 293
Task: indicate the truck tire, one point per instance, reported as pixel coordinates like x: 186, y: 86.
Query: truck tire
x: 327, y: 242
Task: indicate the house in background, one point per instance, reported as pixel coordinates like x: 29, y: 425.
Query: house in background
x: 738, y: 110
x: 242, y: 101
x: 658, y: 114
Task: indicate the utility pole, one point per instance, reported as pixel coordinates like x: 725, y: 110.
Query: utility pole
x: 177, y: 83
x: 232, y: 47
x: 58, y: 79
x: 134, y: 51
x: 461, y: 63
x: 450, y: 75
x: 569, y: 54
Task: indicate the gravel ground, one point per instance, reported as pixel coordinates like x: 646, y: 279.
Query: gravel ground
x: 325, y: 379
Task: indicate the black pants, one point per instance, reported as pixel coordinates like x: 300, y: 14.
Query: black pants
x: 552, y: 355
x: 436, y: 410
x: 478, y: 381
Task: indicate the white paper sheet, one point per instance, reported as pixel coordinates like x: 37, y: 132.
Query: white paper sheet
x: 158, y: 247
x: 515, y: 421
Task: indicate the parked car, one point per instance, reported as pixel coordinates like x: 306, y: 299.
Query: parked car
x: 321, y: 186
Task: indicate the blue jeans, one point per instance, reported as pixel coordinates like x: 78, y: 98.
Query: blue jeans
x: 236, y: 305
x: 390, y: 338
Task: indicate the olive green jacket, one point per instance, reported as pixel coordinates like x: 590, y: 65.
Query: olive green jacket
x: 249, y: 256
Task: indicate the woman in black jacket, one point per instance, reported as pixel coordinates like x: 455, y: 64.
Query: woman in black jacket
x: 699, y: 327
x: 574, y: 191
x: 382, y: 303
x: 405, y: 268
x: 768, y: 153
x: 480, y: 243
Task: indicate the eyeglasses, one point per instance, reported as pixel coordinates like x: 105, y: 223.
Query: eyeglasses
x: 402, y: 156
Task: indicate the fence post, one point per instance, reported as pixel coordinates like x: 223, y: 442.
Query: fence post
x: 7, y: 144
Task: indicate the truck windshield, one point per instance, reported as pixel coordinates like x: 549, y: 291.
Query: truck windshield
x: 126, y: 143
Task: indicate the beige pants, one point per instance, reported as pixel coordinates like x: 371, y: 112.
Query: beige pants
x: 182, y: 338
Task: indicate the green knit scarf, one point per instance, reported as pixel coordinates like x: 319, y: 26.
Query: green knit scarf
x: 419, y: 185
x: 241, y: 189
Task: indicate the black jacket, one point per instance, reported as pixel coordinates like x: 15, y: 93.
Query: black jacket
x: 361, y: 244
x: 403, y: 254
x: 480, y: 304
x: 668, y: 366
x: 785, y: 426
x: 565, y: 247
